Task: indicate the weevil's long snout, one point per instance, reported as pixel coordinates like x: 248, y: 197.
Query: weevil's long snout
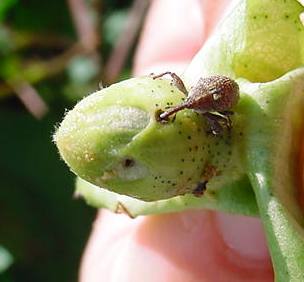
x: 165, y: 115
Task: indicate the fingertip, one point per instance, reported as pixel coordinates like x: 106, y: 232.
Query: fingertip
x: 187, y: 246
x: 244, y: 235
x: 196, y: 242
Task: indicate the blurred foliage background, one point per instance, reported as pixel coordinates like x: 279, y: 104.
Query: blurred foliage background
x: 52, y: 53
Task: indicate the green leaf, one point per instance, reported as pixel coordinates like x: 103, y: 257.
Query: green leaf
x: 5, y: 5
x: 82, y: 69
x: 6, y: 259
x: 113, y: 26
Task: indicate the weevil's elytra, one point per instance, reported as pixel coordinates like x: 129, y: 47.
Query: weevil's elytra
x: 212, y: 96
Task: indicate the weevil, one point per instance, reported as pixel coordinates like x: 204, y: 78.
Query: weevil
x: 212, y: 96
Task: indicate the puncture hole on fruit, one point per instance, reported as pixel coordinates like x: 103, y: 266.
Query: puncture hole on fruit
x: 200, y: 189
x: 128, y: 162
x: 212, y: 96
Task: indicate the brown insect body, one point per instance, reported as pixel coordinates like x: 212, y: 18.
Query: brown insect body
x: 213, y: 94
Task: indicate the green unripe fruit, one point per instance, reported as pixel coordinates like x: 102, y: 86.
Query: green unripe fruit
x: 114, y: 140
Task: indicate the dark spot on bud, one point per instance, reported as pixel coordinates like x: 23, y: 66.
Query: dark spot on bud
x: 200, y: 189
x: 189, y: 137
x: 211, y: 192
x: 181, y: 172
x: 128, y: 162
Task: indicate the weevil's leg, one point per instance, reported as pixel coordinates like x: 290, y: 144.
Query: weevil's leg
x: 218, y: 122
x: 154, y: 76
x: 226, y: 113
x: 177, y: 81
x: 215, y: 127
x: 226, y: 116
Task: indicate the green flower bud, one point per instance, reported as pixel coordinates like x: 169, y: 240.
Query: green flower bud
x: 113, y: 139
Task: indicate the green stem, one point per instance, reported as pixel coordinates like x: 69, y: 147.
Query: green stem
x: 270, y: 157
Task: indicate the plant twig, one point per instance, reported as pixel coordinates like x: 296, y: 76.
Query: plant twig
x: 26, y: 39
x: 29, y: 96
x: 84, y: 23
x: 39, y: 70
x: 126, y: 40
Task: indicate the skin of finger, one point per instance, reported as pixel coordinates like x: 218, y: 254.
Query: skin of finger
x: 183, y: 246
x: 121, y: 249
x: 175, y: 31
